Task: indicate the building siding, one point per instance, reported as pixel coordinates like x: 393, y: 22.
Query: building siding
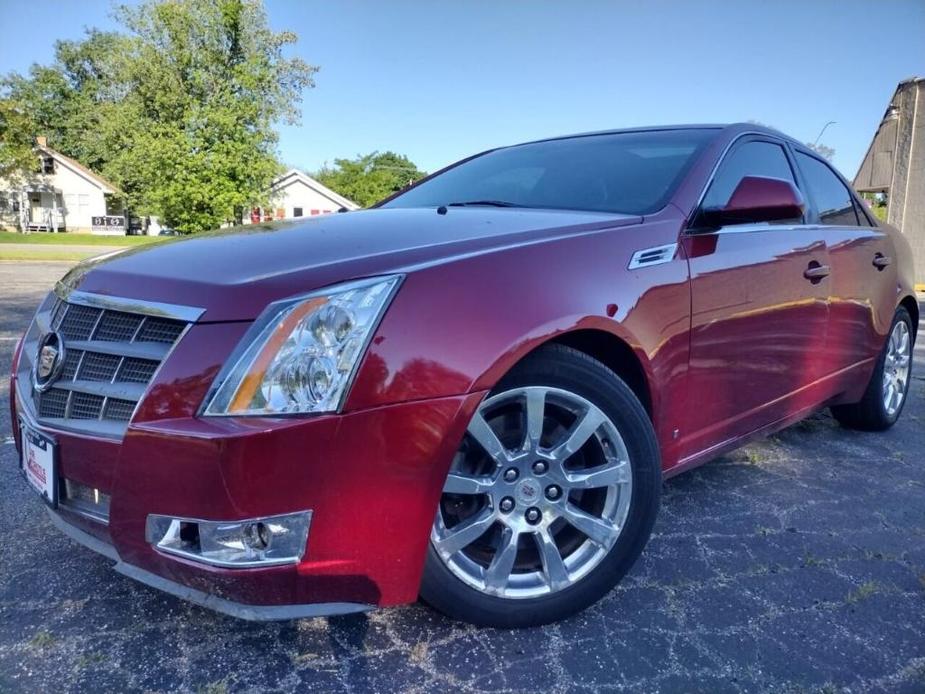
x: 895, y: 165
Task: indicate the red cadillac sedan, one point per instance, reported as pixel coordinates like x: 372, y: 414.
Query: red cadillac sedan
x: 470, y: 393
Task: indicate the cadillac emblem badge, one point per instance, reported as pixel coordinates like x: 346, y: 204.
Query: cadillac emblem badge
x: 48, y: 361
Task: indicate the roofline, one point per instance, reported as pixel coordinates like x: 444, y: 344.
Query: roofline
x: 80, y: 169
x: 728, y: 127
x: 619, y: 131
x: 870, y: 146
x: 317, y: 186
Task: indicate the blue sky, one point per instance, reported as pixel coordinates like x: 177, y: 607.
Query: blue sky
x: 440, y: 80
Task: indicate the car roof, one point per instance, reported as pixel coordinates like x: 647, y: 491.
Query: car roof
x: 730, y: 129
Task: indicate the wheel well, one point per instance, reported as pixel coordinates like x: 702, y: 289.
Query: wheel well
x: 912, y: 306
x: 616, y: 355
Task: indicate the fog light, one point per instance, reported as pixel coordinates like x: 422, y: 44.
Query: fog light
x: 251, y: 542
x: 257, y: 536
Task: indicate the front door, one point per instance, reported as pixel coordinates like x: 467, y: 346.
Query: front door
x: 758, y: 323
x: 36, y: 210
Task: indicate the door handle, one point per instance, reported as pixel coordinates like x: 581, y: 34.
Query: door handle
x: 881, y: 261
x: 815, y: 273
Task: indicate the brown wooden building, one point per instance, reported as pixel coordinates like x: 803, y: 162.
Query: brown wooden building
x: 894, y: 166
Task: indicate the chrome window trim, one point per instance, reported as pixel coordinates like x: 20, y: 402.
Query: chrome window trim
x: 189, y: 314
x: 751, y: 227
x: 859, y: 209
x: 783, y: 141
x: 719, y: 161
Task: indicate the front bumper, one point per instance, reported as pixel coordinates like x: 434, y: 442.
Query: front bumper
x: 255, y: 613
x: 372, y: 480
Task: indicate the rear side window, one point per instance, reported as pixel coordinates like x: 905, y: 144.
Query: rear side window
x: 751, y: 159
x: 833, y: 200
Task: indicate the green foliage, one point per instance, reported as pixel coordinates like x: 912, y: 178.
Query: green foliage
x: 878, y: 204
x: 822, y: 150
x: 179, y: 111
x: 17, y: 157
x: 368, y: 179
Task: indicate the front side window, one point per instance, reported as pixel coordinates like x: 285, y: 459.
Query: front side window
x: 628, y: 172
x: 754, y: 158
x: 296, y: 211
x: 833, y: 200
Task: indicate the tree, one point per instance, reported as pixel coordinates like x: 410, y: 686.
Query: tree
x: 17, y: 156
x: 822, y: 150
x: 369, y: 178
x: 179, y: 110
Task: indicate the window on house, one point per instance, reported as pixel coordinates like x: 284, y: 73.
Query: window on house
x: 296, y: 211
x: 48, y: 165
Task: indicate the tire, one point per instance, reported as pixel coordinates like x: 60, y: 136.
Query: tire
x: 613, y: 478
x: 875, y: 411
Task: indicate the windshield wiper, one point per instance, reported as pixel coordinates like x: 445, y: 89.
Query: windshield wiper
x: 485, y: 203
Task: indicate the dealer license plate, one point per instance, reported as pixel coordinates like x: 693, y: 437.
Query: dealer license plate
x: 38, y: 463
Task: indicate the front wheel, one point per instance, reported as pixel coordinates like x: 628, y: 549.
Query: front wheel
x: 550, y: 498
x: 889, y: 384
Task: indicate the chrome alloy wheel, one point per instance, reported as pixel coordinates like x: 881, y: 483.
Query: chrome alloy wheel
x: 896, y: 368
x: 537, y: 495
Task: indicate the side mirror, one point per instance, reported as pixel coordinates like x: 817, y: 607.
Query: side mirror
x: 757, y: 199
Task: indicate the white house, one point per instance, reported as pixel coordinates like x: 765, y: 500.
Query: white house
x: 61, y: 195
x: 295, y: 194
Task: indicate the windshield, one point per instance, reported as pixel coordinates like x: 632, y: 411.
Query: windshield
x: 630, y: 172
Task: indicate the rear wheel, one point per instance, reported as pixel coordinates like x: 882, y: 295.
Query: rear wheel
x: 889, y: 384
x: 550, y: 498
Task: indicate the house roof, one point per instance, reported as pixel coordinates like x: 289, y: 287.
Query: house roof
x: 80, y: 169
x: 320, y: 188
x: 876, y: 172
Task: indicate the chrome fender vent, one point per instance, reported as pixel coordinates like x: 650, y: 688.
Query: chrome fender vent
x: 653, y: 256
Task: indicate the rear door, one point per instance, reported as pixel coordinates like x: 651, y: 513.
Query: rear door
x: 758, y: 326
x: 863, y: 278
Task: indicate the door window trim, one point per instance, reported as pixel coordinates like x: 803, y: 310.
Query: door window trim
x: 738, y: 141
x: 859, y: 209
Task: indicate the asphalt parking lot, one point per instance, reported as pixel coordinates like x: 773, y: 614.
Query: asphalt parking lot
x: 796, y: 564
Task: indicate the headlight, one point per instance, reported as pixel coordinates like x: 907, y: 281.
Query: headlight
x: 301, y: 354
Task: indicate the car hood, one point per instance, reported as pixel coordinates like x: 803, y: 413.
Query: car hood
x: 234, y: 274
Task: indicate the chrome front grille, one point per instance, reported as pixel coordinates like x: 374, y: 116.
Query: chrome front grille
x: 111, y: 355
